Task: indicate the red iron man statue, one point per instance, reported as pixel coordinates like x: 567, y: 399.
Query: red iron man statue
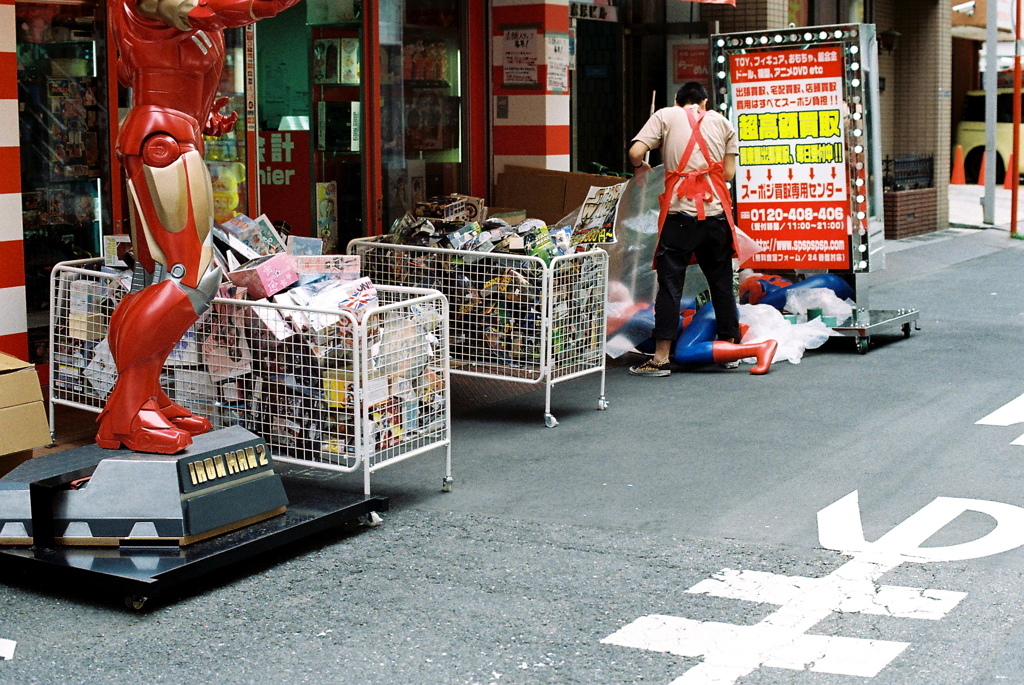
x: 171, y: 53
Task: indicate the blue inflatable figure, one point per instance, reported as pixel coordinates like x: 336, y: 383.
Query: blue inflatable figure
x: 697, y: 345
x: 772, y: 290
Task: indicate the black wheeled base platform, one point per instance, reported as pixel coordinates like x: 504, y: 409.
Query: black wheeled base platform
x: 318, y: 502
x: 864, y: 323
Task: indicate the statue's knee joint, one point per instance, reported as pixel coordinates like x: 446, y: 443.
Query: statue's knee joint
x: 160, y: 150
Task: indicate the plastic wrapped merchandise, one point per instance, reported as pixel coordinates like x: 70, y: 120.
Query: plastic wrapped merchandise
x: 404, y: 347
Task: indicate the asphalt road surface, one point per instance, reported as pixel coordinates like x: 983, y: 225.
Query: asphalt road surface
x: 844, y: 520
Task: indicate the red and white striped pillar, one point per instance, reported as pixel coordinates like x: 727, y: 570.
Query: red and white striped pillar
x: 13, y: 318
x: 533, y: 129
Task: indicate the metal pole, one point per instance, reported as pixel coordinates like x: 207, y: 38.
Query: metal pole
x: 991, y: 67
x: 1015, y: 188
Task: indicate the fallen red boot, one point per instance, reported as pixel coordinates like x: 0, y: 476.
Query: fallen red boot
x: 728, y: 352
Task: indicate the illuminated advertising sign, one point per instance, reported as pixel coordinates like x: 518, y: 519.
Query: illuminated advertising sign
x: 808, y: 179
x: 791, y: 180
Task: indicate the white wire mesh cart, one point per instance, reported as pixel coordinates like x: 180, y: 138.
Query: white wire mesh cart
x: 324, y: 388
x: 513, y: 318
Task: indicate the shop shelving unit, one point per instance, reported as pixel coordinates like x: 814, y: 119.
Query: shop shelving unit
x: 513, y: 318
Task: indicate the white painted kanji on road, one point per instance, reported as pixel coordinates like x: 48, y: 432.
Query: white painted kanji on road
x: 781, y: 640
x: 1009, y: 414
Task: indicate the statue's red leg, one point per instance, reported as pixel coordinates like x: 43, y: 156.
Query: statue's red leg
x: 151, y: 322
x: 171, y: 216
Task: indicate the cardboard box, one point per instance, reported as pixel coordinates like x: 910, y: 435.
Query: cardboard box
x: 87, y: 326
x: 312, y: 268
x: 475, y: 207
x: 509, y: 215
x: 85, y: 296
x: 544, y: 193
x: 449, y: 208
x: 265, y: 276
x: 23, y: 424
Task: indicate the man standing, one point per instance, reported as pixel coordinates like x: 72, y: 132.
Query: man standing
x: 699, y: 150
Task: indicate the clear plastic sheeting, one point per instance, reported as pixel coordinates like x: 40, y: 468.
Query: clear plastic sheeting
x: 632, y: 284
x: 766, y: 322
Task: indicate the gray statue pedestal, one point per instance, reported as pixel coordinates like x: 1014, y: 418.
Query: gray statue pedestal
x: 224, y: 481
x: 149, y: 525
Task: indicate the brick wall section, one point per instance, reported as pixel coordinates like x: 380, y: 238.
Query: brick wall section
x: 13, y: 319
x: 910, y: 212
x: 747, y: 15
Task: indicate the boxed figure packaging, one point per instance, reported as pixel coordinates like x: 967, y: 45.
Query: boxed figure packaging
x: 265, y: 276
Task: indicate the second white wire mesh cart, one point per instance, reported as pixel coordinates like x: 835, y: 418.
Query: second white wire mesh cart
x: 513, y: 317
x: 324, y: 388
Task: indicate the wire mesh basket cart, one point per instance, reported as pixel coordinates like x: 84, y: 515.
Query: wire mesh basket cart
x: 513, y: 318
x: 326, y: 388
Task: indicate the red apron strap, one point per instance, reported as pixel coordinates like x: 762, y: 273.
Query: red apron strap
x: 700, y: 185
x: 672, y: 178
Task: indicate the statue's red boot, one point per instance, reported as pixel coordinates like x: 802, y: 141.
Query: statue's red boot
x: 148, y: 431
x: 182, y: 417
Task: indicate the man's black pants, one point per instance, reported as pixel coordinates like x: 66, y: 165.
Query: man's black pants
x: 682, y: 237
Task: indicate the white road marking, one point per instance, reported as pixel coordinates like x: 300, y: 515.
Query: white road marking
x: 7, y: 649
x: 780, y: 640
x: 1007, y: 415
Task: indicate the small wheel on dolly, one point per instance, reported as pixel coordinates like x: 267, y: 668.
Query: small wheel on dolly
x: 862, y: 345
x: 446, y: 484
x: 135, y: 602
x: 550, y: 421
x: 371, y: 520
x: 602, y: 404
x: 906, y: 330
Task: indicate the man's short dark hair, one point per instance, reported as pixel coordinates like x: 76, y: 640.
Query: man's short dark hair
x: 691, y: 93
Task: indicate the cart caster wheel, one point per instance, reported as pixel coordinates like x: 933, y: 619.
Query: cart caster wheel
x: 446, y: 484
x: 602, y: 404
x: 862, y: 345
x: 906, y: 330
x: 550, y: 421
x: 135, y: 602
x: 371, y: 520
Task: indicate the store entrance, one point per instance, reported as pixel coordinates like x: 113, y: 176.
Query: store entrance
x: 598, y: 96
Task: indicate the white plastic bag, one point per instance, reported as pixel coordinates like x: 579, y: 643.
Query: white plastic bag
x: 799, y: 300
x: 766, y: 322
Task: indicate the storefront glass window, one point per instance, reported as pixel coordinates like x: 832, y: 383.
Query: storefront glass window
x: 226, y: 155
x: 62, y: 100
x: 337, y: 130
x: 283, y: 93
x: 421, y: 93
